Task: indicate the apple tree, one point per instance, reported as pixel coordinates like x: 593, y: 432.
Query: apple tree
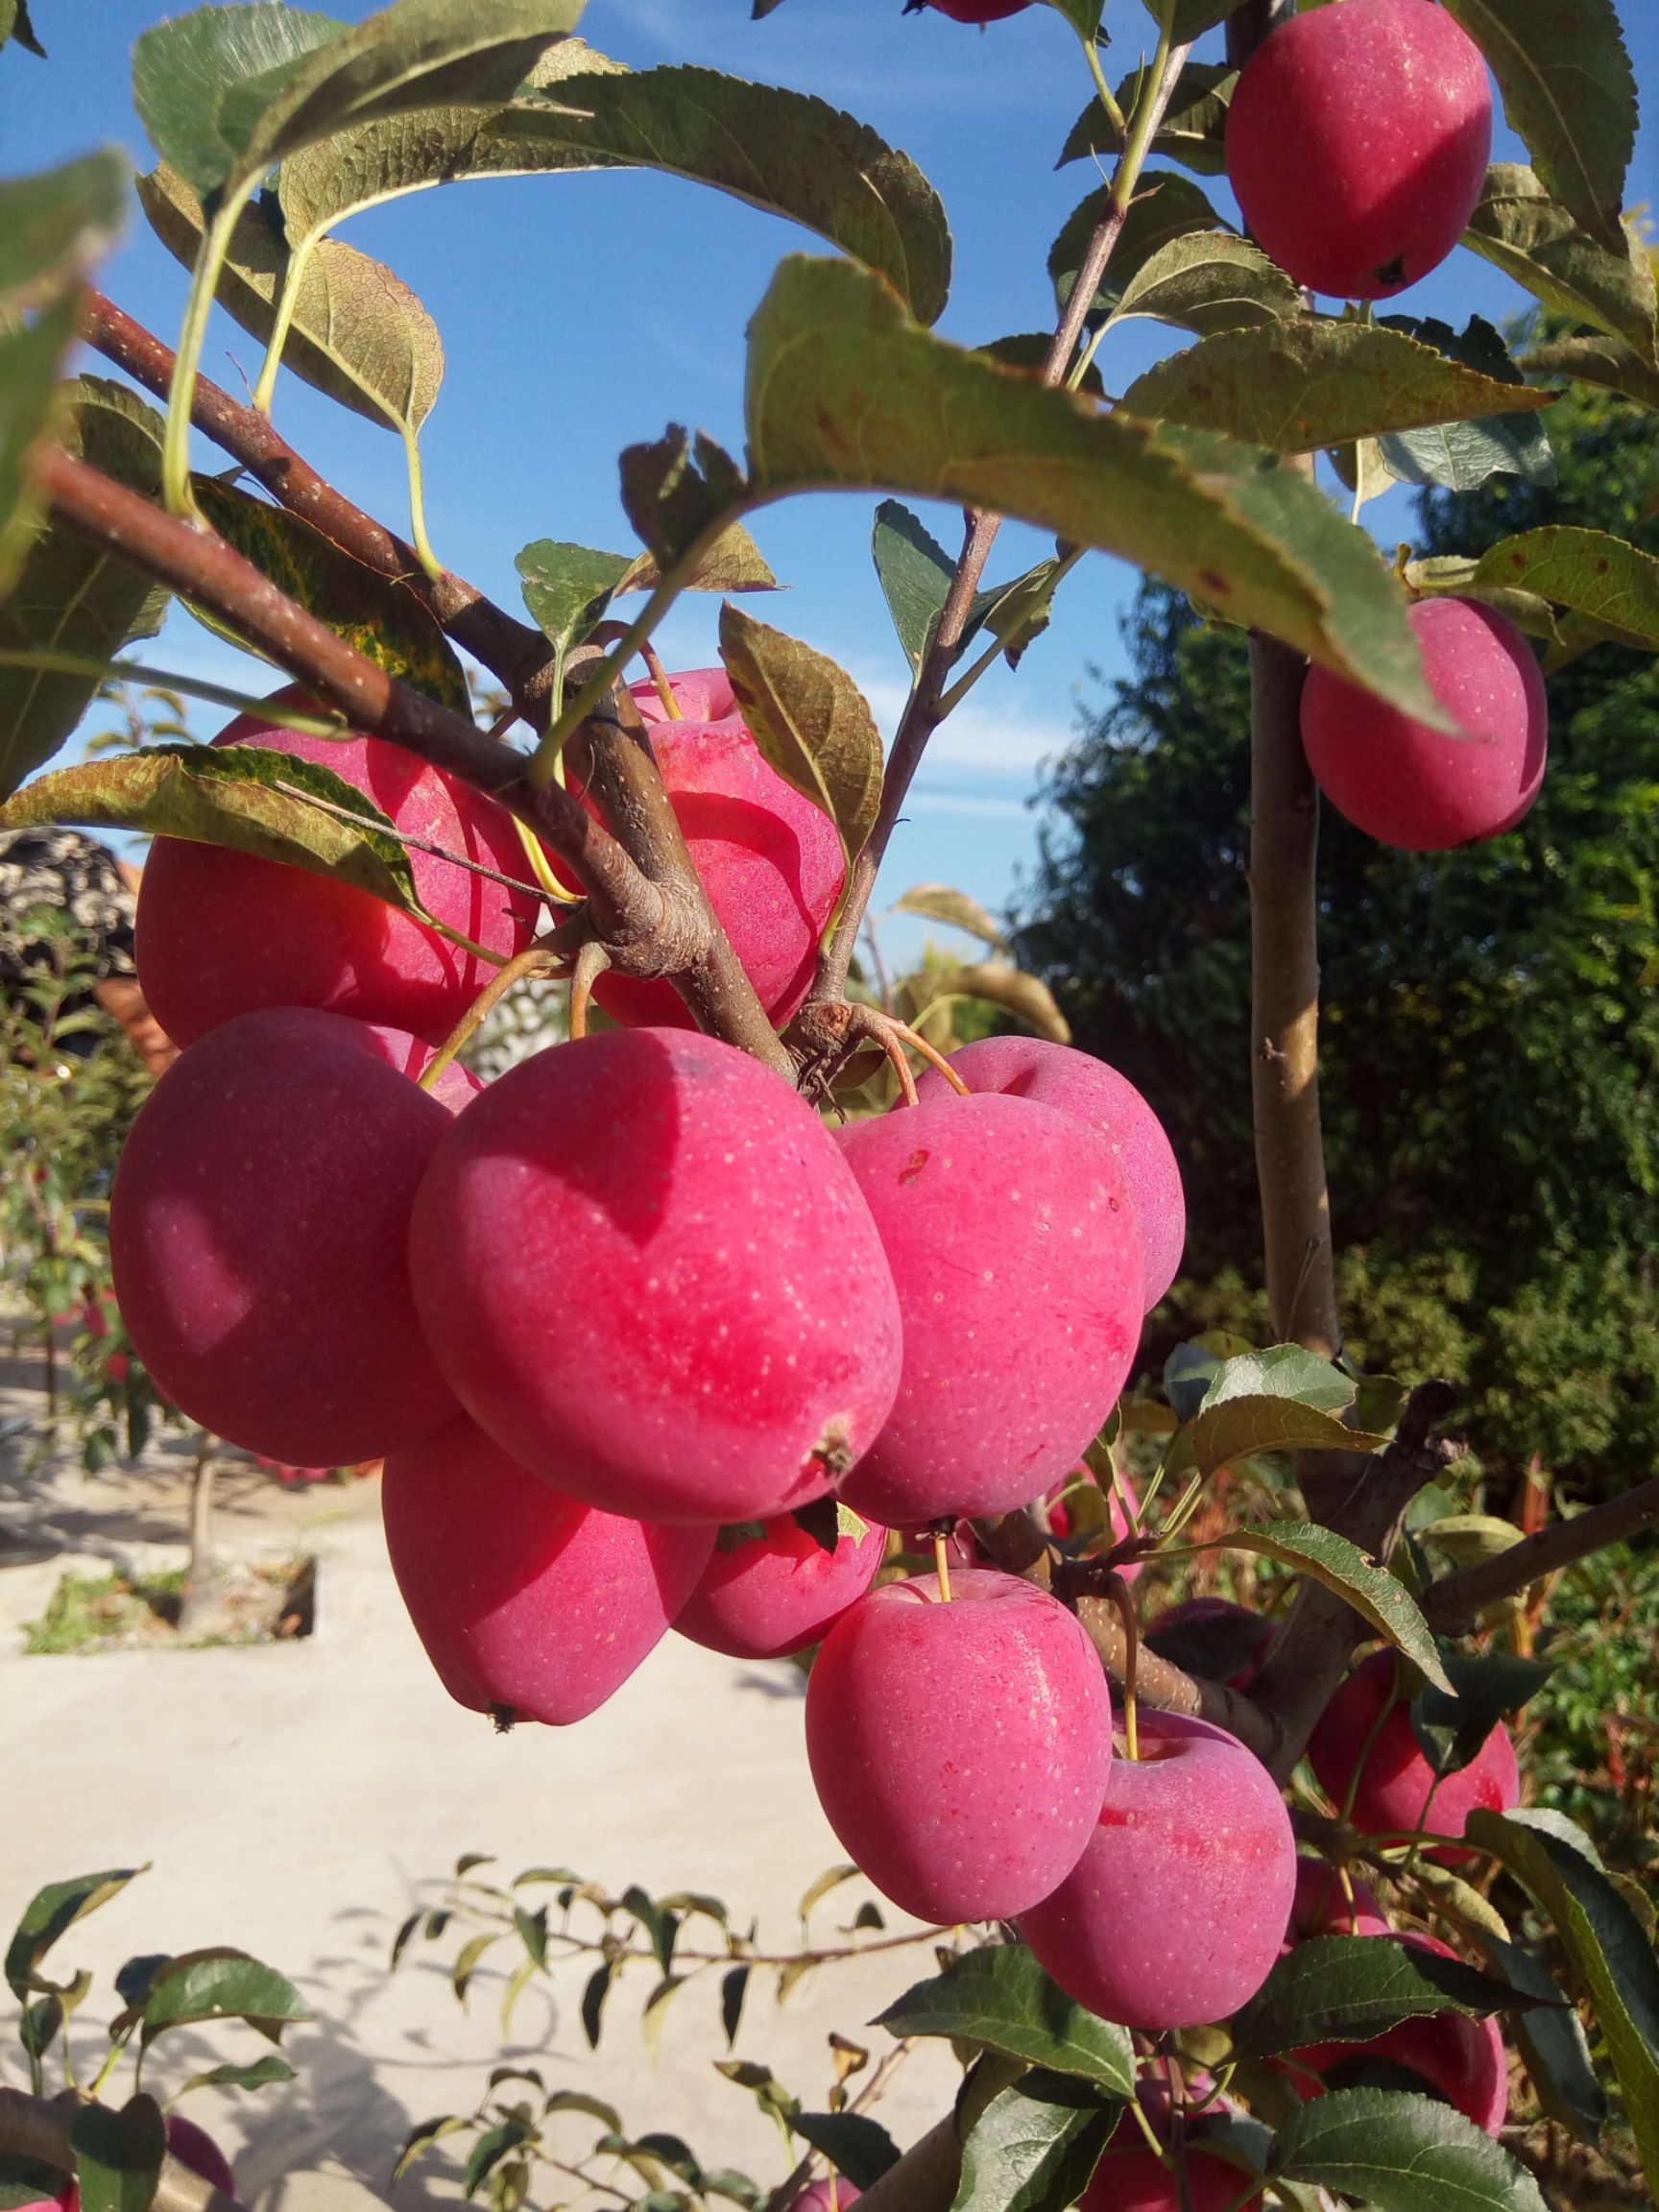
x: 664, y: 1328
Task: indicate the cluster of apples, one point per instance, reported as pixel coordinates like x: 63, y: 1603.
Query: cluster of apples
x: 1358, y: 138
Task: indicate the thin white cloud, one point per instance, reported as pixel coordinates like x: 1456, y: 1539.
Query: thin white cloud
x: 982, y: 740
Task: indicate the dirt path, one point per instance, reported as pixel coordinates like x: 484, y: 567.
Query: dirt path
x: 294, y: 1800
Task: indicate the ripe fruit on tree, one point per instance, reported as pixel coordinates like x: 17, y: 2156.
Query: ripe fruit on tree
x: 1461, y: 2059
x: 1175, y: 1912
x: 1410, y: 786
x: 1358, y: 139
x: 770, y: 861
x: 220, y: 933
x: 1324, y: 1906
x: 1212, y: 1636
x: 833, y: 2193
x: 1013, y: 1248
x: 772, y: 1593
x: 978, y: 11
x: 1089, y: 1091
x: 1396, y: 1790
x: 1131, y: 2177
x: 525, y: 1601
x: 960, y: 1750
x: 647, y: 1272
x: 258, y: 1229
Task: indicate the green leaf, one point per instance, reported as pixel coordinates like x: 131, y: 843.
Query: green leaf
x: 421, y: 2140
x: 1243, y: 1427
x: 1295, y: 386
x: 1350, y: 1988
x: 1450, y: 1728
x: 358, y: 333
x: 31, y: 356
x: 118, y: 2154
x: 1522, y: 230
x: 1191, y: 18
x: 854, y: 2145
x: 468, y: 1961
x: 221, y: 1984
x: 1605, y: 1942
x: 353, y: 170
x: 1401, y: 2154
x: 133, y: 1980
x: 182, y: 69
x: 1376, y: 1594
x: 593, y: 1997
x: 1604, y: 361
x: 915, y: 571
x: 1282, y: 1371
x: 73, y: 597
x: 1000, y: 1997
x: 50, y: 1913
x: 1033, y: 2144
x: 1569, y: 92
x: 1462, y: 455
x: 1209, y: 280
x: 660, y: 1926
x: 1168, y: 208
x: 414, y: 53
x: 676, y: 490
x: 939, y: 902
x: 844, y: 389
x: 810, y: 721
x: 1586, y: 572
x: 817, y: 1891
x: 261, y: 2075
x: 1193, y: 130
x: 55, y: 224
x: 577, y: 2101
x: 1552, y: 2043
x: 567, y: 588
x: 14, y: 24
x: 734, y: 1989
x: 228, y: 796
x: 1000, y: 983
x: 493, y: 2145
x: 377, y: 614
x: 783, y: 152
x: 1029, y: 349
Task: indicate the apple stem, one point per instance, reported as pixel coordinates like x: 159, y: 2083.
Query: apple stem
x: 1118, y: 1590
x: 892, y: 1039
x: 536, y: 961
x: 592, y: 962
x: 931, y: 1055
x: 658, y: 675
x: 942, y: 1565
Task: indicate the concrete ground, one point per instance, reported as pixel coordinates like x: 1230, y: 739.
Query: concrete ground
x: 297, y: 1800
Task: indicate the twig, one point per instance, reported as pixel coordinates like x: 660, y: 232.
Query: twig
x: 1453, y: 1605
x: 509, y: 649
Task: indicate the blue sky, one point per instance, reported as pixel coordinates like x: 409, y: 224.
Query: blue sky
x: 583, y: 313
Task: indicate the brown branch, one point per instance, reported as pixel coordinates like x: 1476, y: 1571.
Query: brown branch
x: 925, y: 2179
x: 1453, y: 1603
x: 511, y: 649
x: 194, y: 562
x: 924, y: 709
x: 38, y: 2128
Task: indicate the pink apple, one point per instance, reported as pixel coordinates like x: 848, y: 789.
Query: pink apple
x: 960, y: 1750
x: 1175, y: 1912
x: 1089, y: 1091
x: 1410, y: 786
x: 1013, y: 1250
x: 647, y: 1272
x: 1396, y: 1790
x: 256, y: 1235
x: 526, y: 1601
x: 1358, y: 139
x: 220, y: 933
x: 775, y: 1594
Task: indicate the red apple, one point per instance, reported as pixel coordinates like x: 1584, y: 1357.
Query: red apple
x: 960, y: 1750
x: 833, y: 2193
x: 525, y: 1601
x: 647, y: 1272
x: 1396, y: 1790
x: 1175, y: 1912
x: 1013, y: 1253
x: 258, y: 1229
x: 1461, y: 2059
x: 1410, y: 786
x: 1089, y: 1091
x: 220, y: 933
x: 1358, y: 139
x: 1131, y: 2177
x: 1215, y: 1637
x: 978, y: 10
x: 776, y: 1593
x: 1323, y: 1907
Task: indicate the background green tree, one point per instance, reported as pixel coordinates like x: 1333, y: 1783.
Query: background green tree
x: 1502, y: 1230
